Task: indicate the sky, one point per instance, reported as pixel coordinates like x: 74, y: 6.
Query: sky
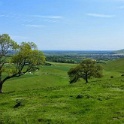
x: 65, y: 24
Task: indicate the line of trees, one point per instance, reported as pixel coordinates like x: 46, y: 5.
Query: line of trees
x: 61, y: 59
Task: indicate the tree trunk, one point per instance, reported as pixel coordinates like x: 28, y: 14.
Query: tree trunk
x: 86, y: 78
x: 1, y: 85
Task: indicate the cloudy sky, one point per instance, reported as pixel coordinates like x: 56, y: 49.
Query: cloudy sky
x: 65, y: 24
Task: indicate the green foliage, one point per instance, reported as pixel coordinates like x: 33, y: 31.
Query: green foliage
x: 6, y: 44
x: 26, y: 58
x: 86, y: 69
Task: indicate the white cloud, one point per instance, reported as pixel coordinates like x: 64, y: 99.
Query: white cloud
x: 2, y: 15
x: 121, y: 7
x: 115, y: 0
x: 48, y: 17
x: 100, y: 15
x: 119, y: 0
x: 34, y: 26
x: 9, y: 15
x: 19, y: 38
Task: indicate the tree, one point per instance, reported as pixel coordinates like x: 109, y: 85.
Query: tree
x: 86, y: 69
x: 25, y: 58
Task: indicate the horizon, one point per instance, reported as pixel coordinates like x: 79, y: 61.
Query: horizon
x: 80, y: 50
x: 65, y: 24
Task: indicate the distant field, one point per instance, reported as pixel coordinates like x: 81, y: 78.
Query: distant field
x: 46, y: 97
x: 78, y: 56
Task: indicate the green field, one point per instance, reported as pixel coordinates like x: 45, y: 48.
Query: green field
x: 46, y: 97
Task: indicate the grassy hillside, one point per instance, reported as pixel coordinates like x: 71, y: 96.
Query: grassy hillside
x: 46, y: 97
x: 115, y: 65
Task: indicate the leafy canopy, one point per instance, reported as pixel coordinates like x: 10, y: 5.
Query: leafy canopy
x: 86, y: 69
x: 16, y: 60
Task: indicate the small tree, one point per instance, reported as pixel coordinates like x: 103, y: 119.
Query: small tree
x: 86, y: 69
x: 26, y: 58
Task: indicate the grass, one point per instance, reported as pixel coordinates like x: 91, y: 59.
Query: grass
x: 115, y: 65
x: 46, y: 97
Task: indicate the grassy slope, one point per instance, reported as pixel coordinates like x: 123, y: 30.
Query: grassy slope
x: 47, y: 98
x: 115, y: 65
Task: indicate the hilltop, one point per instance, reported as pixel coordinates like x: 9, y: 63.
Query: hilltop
x: 120, y: 51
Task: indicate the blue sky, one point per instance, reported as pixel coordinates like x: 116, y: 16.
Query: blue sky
x: 65, y: 24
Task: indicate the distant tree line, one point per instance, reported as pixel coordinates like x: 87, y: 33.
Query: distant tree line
x: 61, y: 59
x: 101, y: 58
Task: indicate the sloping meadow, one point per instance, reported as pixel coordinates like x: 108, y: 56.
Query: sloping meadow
x: 47, y: 97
